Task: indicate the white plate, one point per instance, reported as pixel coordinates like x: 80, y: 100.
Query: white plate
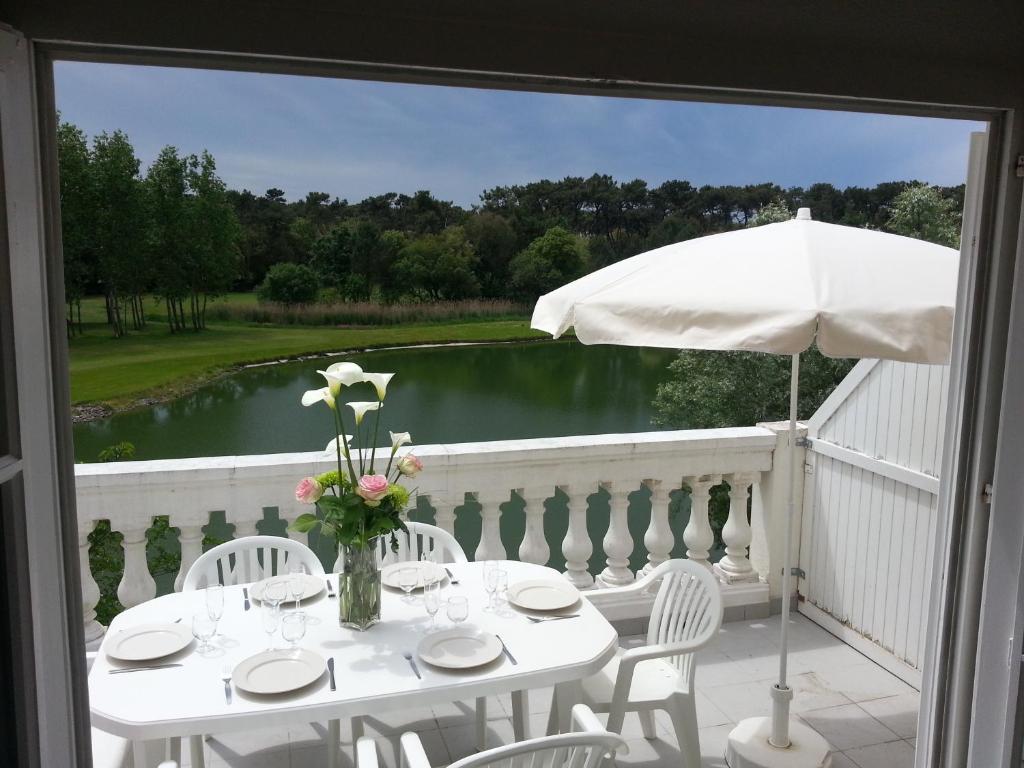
x: 543, y: 594
x: 278, y: 671
x: 459, y: 648
x: 426, y: 573
x: 148, y: 641
x: 311, y: 586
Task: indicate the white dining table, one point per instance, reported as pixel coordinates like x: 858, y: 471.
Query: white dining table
x: 372, y: 674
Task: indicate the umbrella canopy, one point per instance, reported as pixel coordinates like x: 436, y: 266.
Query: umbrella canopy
x: 774, y: 288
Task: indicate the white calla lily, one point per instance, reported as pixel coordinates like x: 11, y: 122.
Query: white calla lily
x: 340, y: 375
x: 313, y: 396
x: 398, y: 439
x: 360, y: 410
x: 333, y: 445
x: 379, y: 381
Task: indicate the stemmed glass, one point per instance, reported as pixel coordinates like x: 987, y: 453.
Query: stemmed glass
x: 408, y: 578
x: 215, y: 604
x: 497, y: 585
x: 275, y: 592
x: 293, y: 627
x: 432, y: 601
x: 203, y: 628
x: 295, y: 583
x: 458, y: 609
x: 490, y: 567
x: 271, y: 616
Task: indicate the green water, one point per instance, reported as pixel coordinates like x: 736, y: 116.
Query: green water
x: 440, y: 395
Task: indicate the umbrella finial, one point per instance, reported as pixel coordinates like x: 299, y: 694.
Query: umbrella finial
x: 803, y: 214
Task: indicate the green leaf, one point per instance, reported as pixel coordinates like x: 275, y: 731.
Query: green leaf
x: 305, y: 523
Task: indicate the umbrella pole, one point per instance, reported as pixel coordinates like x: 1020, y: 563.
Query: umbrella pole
x: 781, y: 692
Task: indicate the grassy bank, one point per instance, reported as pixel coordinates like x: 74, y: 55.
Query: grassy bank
x: 157, y: 364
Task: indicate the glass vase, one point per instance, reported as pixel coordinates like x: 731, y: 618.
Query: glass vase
x: 359, y: 587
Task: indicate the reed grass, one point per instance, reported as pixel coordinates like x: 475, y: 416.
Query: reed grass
x: 369, y: 313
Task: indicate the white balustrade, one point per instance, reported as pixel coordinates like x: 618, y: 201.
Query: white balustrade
x: 577, y: 547
x: 534, y: 548
x: 698, y: 535
x: 188, y: 491
x: 90, y: 590
x: 618, y: 543
x: 658, y: 539
x: 735, y: 567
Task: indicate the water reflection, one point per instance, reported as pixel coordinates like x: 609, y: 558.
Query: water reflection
x: 441, y: 394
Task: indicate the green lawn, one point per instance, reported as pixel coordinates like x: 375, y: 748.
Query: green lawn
x: 156, y: 363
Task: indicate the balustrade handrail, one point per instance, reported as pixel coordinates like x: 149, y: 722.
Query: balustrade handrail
x: 131, y: 494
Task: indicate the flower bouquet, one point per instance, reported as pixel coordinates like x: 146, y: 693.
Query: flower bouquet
x: 356, y: 505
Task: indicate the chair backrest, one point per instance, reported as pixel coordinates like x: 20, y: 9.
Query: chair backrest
x: 569, y: 750
x: 248, y: 559
x: 421, y: 539
x: 688, y: 607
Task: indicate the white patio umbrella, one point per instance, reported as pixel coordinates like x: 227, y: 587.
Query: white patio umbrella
x: 776, y: 288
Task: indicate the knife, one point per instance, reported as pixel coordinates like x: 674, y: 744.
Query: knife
x: 451, y: 576
x: 330, y: 588
x: 245, y: 593
x: 506, y: 650
x: 330, y: 668
x: 141, y: 669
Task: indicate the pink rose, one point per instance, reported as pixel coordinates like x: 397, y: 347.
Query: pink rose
x: 373, y: 488
x: 410, y: 465
x: 308, y: 491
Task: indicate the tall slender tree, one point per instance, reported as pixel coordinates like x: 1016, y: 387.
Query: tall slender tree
x: 77, y: 202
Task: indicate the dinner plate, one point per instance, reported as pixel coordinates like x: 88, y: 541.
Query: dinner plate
x: 426, y: 573
x: 148, y: 641
x: 459, y: 648
x: 543, y: 594
x: 311, y: 586
x: 278, y: 671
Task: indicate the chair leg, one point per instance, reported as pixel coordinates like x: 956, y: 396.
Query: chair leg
x: 358, y: 728
x: 519, y: 710
x: 647, y: 724
x: 481, y: 724
x: 195, y: 750
x: 683, y: 711
x: 334, y: 741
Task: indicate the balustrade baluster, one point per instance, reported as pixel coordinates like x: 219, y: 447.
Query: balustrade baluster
x: 490, y: 547
x: 698, y: 535
x: 658, y: 539
x: 618, y: 543
x: 191, y: 538
x: 577, y: 546
x: 444, y: 513
x: 534, y: 547
x: 734, y: 567
x: 137, y: 584
x: 90, y: 591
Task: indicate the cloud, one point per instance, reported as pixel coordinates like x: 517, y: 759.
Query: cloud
x: 354, y: 138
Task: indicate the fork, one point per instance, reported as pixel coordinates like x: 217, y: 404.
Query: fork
x: 412, y: 663
x: 225, y: 675
x: 542, y: 619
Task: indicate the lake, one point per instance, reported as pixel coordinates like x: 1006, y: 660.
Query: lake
x: 440, y: 395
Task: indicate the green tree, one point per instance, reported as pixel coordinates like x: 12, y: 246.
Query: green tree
x: 289, y: 284
x: 167, y: 185
x: 922, y: 212
x: 121, y: 229
x: 553, y: 259
x: 78, y: 214
x: 438, y: 267
x: 771, y: 213
x: 494, y: 241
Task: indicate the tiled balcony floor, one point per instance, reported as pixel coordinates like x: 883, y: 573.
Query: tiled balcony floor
x: 868, y: 715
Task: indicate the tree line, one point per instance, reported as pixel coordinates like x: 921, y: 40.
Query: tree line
x: 177, y: 232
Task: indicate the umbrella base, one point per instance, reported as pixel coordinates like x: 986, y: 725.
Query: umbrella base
x: 748, y: 747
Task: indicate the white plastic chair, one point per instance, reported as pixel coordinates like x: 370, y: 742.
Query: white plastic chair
x: 422, y: 539
x: 586, y: 747
x: 251, y: 558
x: 686, y: 616
x: 108, y: 750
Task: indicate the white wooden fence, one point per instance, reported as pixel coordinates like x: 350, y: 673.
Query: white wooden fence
x: 868, y: 518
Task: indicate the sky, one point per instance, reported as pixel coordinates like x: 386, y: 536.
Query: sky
x: 353, y: 139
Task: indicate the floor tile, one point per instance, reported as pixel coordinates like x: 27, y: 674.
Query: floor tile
x: 893, y: 754
x: 863, y: 681
x: 847, y: 727
x: 897, y: 713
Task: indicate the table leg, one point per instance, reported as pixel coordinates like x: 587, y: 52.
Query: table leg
x: 567, y: 695
x: 334, y: 742
x: 174, y: 750
x: 149, y: 754
x: 481, y: 724
x: 195, y: 752
x: 520, y: 701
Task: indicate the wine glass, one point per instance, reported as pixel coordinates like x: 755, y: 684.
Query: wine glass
x: 408, y: 578
x: 458, y: 609
x: 203, y: 628
x: 296, y: 584
x: 490, y: 566
x: 293, y: 627
x: 275, y: 592
x: 432, y: 601
x: 215, y: 604
x: 498, y: 585
x: 271, y: 615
